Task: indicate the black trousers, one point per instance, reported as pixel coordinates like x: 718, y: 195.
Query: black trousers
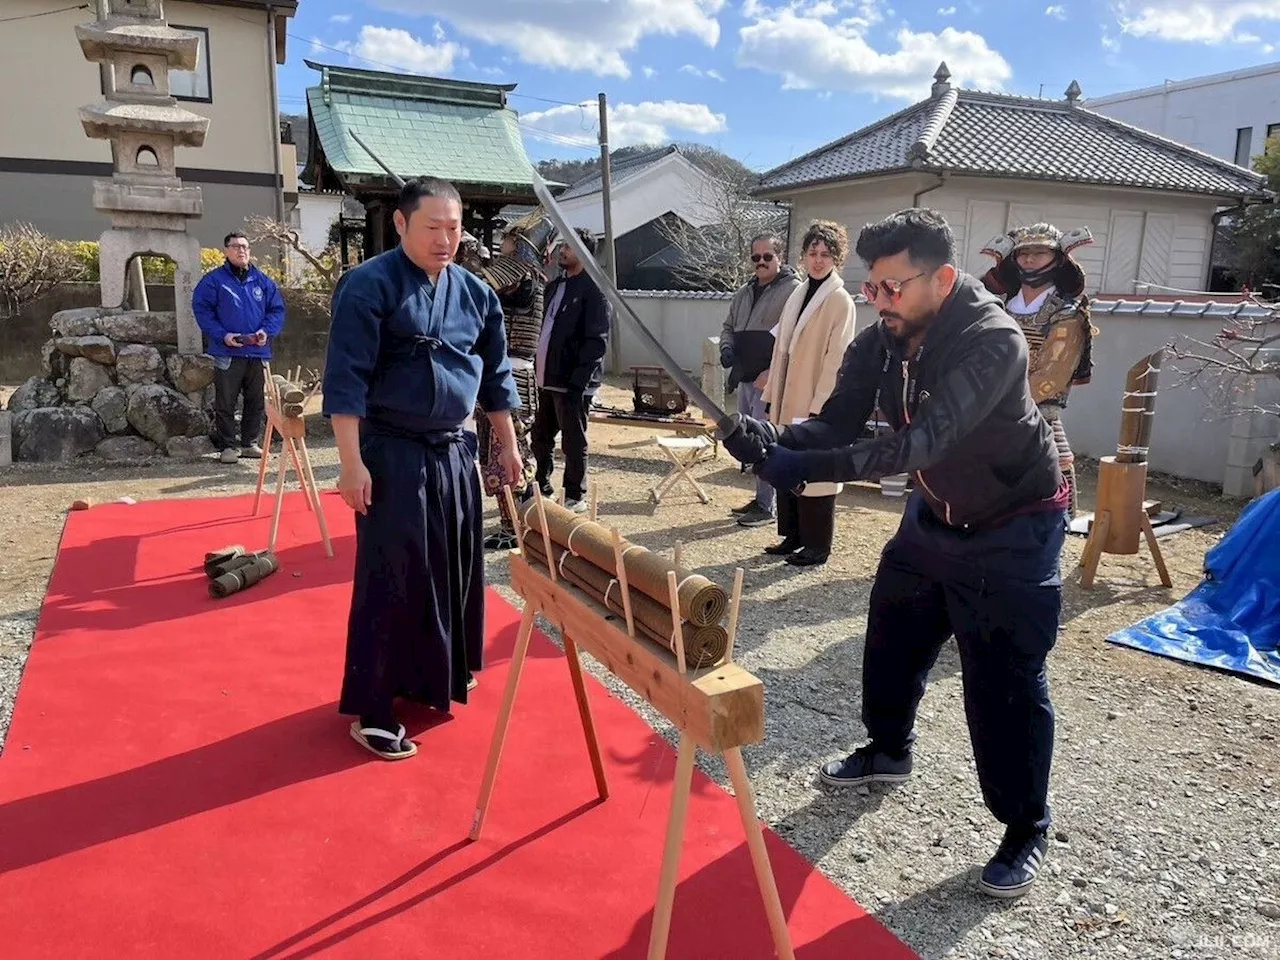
x: 246, y: 376
x: 1000, y: 595
x: 565, y: 415
x: 811, y: 520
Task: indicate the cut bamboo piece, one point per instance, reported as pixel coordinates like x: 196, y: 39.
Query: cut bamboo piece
x: 702, y: 646
x: 702, y: 602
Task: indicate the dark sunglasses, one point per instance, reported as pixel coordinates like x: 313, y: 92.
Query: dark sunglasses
x: 762, y: 258
x: 890, y: 288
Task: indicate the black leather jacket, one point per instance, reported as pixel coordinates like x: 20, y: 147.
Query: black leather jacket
x: 961, y: 410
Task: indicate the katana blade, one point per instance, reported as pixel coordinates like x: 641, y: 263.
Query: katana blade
x: 725, y: 424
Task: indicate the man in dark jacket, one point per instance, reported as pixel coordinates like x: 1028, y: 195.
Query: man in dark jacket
x: 240, y: 311
x: 746, y: 348
x: 977, y: 552
x: 568, y: 368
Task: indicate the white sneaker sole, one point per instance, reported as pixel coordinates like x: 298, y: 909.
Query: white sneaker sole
x: 863, y: 781
x: 1005, y: 893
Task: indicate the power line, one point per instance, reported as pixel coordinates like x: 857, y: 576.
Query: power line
x: 46, y: 13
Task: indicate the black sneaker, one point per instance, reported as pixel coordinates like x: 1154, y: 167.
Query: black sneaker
x: 1014, y: 867
x: 756, y: 516
x: 752, y: 504
x: 866, y: 765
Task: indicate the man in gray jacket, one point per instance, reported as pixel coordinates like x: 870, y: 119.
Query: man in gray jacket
x: 746, y: 348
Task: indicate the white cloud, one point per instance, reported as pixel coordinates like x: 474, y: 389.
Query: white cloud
x: 400, y: 49
x: 1057, y: 11
x: 812, y: 53
x: 340, y: 18
x: 946, y: 11
x: 649, y: 72
x: 629, y: 123
x: 1195, y: 21
x: 693, y: 71
x: 572, y: 34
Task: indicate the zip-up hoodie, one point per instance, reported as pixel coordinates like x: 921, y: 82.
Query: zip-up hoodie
x: 961, y: 409
x: 243, y: 302
x: 746, y: 343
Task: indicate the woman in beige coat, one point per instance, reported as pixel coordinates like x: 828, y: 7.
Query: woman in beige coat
x: 815, y: 328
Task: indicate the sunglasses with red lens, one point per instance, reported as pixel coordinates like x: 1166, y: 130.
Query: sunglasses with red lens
x: 892, y: 289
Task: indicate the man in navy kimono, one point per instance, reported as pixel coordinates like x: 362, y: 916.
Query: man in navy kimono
x: 415, y: 342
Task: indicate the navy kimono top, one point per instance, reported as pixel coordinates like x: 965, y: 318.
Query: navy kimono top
x: 413, y: 354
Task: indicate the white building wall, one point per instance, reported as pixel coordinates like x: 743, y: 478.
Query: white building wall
x: 1206, y: 113
x: 1138, y: 236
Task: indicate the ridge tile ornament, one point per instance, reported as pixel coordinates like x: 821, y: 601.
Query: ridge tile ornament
x: 148, y: 204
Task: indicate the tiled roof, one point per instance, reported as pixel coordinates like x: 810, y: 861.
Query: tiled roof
x: 620, y: 171
x: 418, y: 126
x: 994, y: 135
x: 1146, y: 308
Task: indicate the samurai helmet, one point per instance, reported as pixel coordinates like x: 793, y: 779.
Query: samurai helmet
x: 533, y: 234
x: 1005, y: 278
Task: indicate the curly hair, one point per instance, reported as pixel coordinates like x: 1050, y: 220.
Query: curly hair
x: 833, y: 234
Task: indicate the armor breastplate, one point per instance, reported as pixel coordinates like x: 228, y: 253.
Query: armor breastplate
x: 1057, y: 335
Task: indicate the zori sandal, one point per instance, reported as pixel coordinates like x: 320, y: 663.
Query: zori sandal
x: 383, y: 743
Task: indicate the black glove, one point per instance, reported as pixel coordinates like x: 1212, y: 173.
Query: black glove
x: 731, y: 381
x: 726, y: 355
x: 750, y: 440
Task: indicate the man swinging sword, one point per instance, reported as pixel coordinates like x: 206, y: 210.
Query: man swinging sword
x: 1042, y: 287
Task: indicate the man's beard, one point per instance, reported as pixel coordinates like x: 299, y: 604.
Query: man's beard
x: 909, y: 328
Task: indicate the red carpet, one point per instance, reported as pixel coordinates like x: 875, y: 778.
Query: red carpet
x: 177, y: 783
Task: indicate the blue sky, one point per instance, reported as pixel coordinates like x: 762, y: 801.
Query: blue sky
x: 762, y: 80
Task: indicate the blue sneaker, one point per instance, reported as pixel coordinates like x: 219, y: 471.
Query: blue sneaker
x: 866, y: 765
x: 1014, y: 867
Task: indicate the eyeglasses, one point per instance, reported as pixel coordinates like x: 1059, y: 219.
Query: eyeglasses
x: 762, y: 258
x: 892, y: 289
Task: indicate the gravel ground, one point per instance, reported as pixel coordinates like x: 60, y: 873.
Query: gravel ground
x: 1163, y: 787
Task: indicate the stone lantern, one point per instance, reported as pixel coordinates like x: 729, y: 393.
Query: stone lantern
x: 146, y: 200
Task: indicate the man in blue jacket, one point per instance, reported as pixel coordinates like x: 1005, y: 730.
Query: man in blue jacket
x: 241, y: 311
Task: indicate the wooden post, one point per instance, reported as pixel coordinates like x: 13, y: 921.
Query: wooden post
x: 1120, y: 519
x: 6, y: 438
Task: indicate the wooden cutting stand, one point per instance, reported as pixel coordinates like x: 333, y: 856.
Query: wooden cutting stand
x: 1120, y: 519
x: 282, y: 419
x: 718, y: 708
x: 1120, y: 516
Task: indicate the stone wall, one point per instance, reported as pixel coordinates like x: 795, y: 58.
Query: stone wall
x: 302, y: 342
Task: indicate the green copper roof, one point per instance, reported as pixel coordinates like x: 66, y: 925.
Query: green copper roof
x: 419, y: 126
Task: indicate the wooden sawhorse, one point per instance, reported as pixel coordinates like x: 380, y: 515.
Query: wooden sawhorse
x: 718, y: 708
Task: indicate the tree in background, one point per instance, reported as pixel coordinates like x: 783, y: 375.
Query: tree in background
x: 1256, y: 237
x: 31, y: 265
x: 717, y: 256
x: 321, y: 269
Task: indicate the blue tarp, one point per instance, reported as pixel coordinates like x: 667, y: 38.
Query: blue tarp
x: 1232, y: 619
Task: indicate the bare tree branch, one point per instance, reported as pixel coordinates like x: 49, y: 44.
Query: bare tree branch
x: 31, y: 265
x: 716, y: 254
x: 1229, y: 368
x: 317, y: 280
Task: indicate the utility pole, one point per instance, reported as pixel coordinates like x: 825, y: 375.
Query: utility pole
x: 606, y: 198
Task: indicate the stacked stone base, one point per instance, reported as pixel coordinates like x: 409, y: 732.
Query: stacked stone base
x: 115, y: 388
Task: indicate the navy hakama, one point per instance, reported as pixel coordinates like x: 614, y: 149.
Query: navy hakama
x: 416, y: 627
x: 411, y: 359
